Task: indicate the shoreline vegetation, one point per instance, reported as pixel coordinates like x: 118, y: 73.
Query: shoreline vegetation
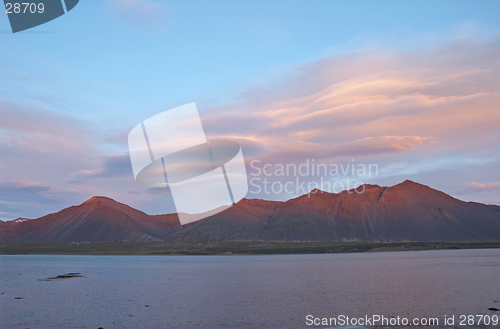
x: 229, y: 247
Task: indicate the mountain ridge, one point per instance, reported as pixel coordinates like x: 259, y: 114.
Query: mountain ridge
x: 407, y: 211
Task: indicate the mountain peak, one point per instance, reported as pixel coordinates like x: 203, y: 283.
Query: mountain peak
x: 366, y: 187
x: 99, y: 199
x: 99, y: 219
x: 409, y: 184
x: 317, y: 191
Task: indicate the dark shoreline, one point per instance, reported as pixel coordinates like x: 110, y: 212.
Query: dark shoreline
x: 230, y: 247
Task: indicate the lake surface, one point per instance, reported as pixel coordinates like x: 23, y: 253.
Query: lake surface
x: 272, y: 291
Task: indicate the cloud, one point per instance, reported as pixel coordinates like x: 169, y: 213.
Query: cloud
x: 50, y: 161
x: 484, y: 187
x: 31, y: 199
x: 112, y: 166
x: 143, y: 13
x: 41, y: 130
x: 374, y: 103
x: 159, y: 191
x: 428, y: 115
x: 417, y: 114
x: 17, y: 191
x: 45, y: 147
x: 40, y: 145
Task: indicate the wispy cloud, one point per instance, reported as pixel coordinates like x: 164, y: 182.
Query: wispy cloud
x: 485, y: 187
x: 375, y: 103
x: 30, y: 199
x: 433, y: 114
x: 19, y: 191
x: 143, y: 13
x: 40, y: 129
x: 111, y: 166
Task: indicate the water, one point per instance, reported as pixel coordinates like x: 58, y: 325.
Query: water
x: 272, y: 291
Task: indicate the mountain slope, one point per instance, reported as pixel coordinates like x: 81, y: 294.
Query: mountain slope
x: 99, y: 219
x: 405, y: 212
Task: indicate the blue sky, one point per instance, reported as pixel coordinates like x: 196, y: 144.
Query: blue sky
x: 107, y: 65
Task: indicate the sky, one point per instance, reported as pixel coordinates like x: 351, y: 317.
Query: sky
x: 411, y: 87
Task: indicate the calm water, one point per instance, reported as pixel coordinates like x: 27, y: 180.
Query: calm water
x: 243, y: 291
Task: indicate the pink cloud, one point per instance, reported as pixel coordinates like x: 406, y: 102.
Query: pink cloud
x: 481, y: 186
x: 41, y: 130
x: 433, y: 101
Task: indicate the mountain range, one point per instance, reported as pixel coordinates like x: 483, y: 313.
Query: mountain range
x: 407, y: 211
